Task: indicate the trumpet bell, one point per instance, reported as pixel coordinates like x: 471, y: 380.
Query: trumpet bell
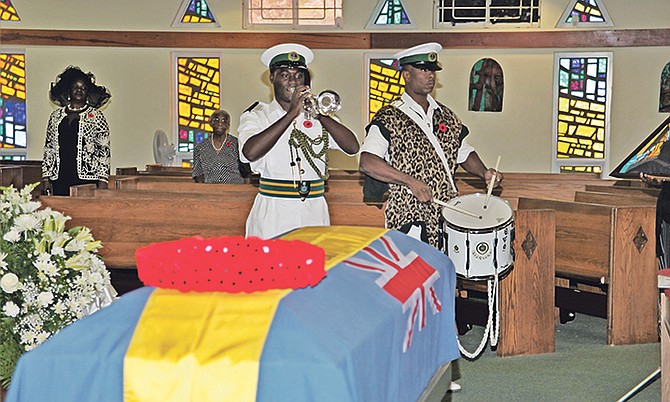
x: 326, y: 103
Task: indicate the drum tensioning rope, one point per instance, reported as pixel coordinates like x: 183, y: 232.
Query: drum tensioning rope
x: 491, y: 330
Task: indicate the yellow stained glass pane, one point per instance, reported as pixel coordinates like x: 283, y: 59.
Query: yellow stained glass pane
x: 562, y: 127
x: 585, y: 131
x: 184, y: 109
x: 597, y: 107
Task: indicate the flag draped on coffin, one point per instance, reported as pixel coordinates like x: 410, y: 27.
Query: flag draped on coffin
x: 375, y: 328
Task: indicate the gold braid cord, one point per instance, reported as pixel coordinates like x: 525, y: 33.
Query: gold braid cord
x: 299, y: 141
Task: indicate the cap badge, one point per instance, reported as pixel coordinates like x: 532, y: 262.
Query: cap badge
x: 293, y: 56
x: 432, y: 57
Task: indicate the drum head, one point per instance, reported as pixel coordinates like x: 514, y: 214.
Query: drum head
x: 497, y: 212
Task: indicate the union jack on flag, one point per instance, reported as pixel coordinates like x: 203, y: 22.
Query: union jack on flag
x: 406, y: 277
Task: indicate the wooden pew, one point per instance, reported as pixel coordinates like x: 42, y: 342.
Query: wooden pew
x: 526, y: 293
x: 155, y: 189
x: 31, y: 171
x: 612, y: 248
x: 520, y: 287
x: 614, y: 198
x: 624, y: 190
x: 134, y: 186
x: 155, y: 170
x: 533, y: 185
x: 124, y: 224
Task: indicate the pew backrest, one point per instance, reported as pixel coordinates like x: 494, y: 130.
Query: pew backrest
x: 591, y: 238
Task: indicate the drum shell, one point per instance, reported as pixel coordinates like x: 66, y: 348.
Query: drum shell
x: 479, y: 253
x: 475, y: 253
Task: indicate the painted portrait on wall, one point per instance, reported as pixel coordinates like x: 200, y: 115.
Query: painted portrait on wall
x: 486, y: 86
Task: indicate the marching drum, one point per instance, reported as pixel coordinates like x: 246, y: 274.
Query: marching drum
x: 478, y: 235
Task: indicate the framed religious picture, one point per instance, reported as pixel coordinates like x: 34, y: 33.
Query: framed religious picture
x: 652, y: 156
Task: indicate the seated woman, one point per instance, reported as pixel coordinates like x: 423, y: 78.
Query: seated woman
x: 216, y: 160
x: 76, y: 149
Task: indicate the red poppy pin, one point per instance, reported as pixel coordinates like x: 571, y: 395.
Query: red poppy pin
x: 229, y: 143
x: 442, y: 127
x: 90, y: 115
x: 307, y: 124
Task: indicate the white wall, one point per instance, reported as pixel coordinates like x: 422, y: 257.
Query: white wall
x: 139, y: 79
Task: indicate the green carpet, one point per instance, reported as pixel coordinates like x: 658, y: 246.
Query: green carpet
x: 583, y: 368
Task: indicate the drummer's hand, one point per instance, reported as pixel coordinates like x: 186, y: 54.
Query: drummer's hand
x: 421, y: 191
x: 652, y: 181
x: 488, y: 175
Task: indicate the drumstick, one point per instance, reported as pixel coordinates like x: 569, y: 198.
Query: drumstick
x: 457, y: 209
x: 453, y: 208
x: 493, y: 180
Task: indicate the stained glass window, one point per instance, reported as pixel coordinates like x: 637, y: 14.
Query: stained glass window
x: 582, y: 169
x: 12, y: 157
x: 664, y: 100
x: 391, y: 13
x: 198, y: 91
x: 13, y: 135
x: 585, y: 13
x: 8, y: 12
x: 385, y: 83
x: 193, y: 13
x: 487, y: 86
x: 490, y: 12
x: 326, y: 13
x: 582, y: 96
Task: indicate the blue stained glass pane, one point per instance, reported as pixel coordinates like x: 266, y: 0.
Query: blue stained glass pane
x: 199, y: 137
x: 392, y: 13
x: 199, y: 8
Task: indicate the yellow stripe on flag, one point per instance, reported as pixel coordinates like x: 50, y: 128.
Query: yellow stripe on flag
x: 206, y: 346
x: 339, y: 242
x: 177, y: 350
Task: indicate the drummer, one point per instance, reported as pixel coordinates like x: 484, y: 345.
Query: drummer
x: 415, y: 145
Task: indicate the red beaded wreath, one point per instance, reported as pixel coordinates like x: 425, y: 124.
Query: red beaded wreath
x: 230, y: 264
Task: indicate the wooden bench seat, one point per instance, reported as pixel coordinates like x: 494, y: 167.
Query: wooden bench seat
x: 612, y: 248
x: 624, y: 190
x: 614, y: 198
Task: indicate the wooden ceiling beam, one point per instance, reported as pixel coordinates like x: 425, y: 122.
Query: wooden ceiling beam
x: 558, y: 39
x: 207, y: 40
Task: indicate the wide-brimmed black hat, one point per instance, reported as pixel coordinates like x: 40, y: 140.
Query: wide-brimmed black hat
x: 60, y: 88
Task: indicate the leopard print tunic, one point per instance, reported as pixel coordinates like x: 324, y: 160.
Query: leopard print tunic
x: 411, y: 152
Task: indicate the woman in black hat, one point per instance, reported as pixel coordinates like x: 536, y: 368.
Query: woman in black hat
x: 76, y: 149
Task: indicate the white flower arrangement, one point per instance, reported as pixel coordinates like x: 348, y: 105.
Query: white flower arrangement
x: 49, y: 276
